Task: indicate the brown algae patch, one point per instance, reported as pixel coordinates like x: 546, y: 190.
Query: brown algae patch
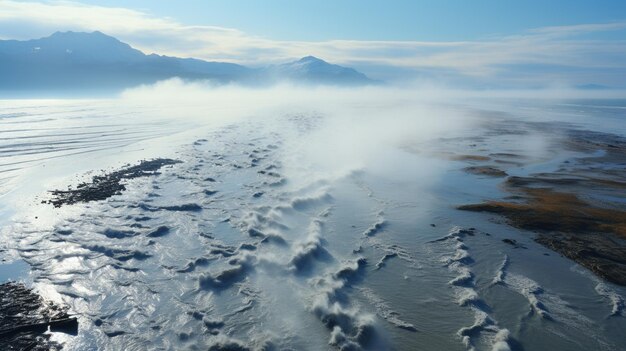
x: 485, y: 171
x: 590, y: 235
x: 579, y: 210
x: 548, y: 210
x: 469, y: 158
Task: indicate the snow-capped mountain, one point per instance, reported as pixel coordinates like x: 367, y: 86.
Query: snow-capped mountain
x: 96, y: 61
x: 311, y: 69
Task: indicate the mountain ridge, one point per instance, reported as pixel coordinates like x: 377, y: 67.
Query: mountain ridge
x: 80, y: 60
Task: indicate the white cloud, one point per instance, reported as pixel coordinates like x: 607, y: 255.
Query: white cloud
x: 543, y: 46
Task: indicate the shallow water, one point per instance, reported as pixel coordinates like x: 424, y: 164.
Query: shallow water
x: 251, y: 241
x: 14, y: 270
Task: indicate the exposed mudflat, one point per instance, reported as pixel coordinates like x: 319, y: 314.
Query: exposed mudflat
x: 485, y: 170
x: 303, y: 230
x: 593, y: 231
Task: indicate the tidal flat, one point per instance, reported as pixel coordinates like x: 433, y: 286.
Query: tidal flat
x: 460, y: 226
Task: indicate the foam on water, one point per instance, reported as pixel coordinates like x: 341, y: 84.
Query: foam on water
x: 607, y: 292
x: 377, y: 227
x: 351, y: 328
x: 617, y: 301
x: 484, y: 326
x: 532, y: 291
x: 554, y: 309
x: 384, y: 310
x: 500, y: 341
x: 381, y: 263
x: 309, y: 249
x: 245, y: 246
x: 501, y: 272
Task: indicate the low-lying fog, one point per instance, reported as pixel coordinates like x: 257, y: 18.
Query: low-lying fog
x: 301, y: 218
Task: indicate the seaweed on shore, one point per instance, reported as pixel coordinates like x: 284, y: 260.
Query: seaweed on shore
x: 104, y: 186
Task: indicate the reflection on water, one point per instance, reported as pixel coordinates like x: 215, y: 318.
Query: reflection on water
x: 255, y: 241
x: 13, y: 271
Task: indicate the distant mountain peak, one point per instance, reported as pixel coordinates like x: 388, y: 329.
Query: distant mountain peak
x: 69, y: 35
x: 310, y: 58
x: 312, y: 69
x: 82, y: 60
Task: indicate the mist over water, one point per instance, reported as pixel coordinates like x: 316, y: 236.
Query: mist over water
x: 299, y: 218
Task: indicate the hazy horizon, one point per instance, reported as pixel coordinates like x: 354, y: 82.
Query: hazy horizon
x: 489, y: 44
x: 319, y: 176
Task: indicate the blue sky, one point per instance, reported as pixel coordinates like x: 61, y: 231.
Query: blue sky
x: 449, y: 20
x: 525, y: 43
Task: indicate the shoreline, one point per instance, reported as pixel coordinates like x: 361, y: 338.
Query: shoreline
x: 232, y: 222
x: 577, y: 209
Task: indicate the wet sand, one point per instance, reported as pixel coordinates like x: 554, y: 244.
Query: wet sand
x: 244, y: 246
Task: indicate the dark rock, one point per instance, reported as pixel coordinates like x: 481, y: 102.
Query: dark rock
x: 104, y: 186
x: 25, y: 317
x: 513, y: 243
x: 160, y: 231
x: 597, y: 253
x: 486, y: 171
